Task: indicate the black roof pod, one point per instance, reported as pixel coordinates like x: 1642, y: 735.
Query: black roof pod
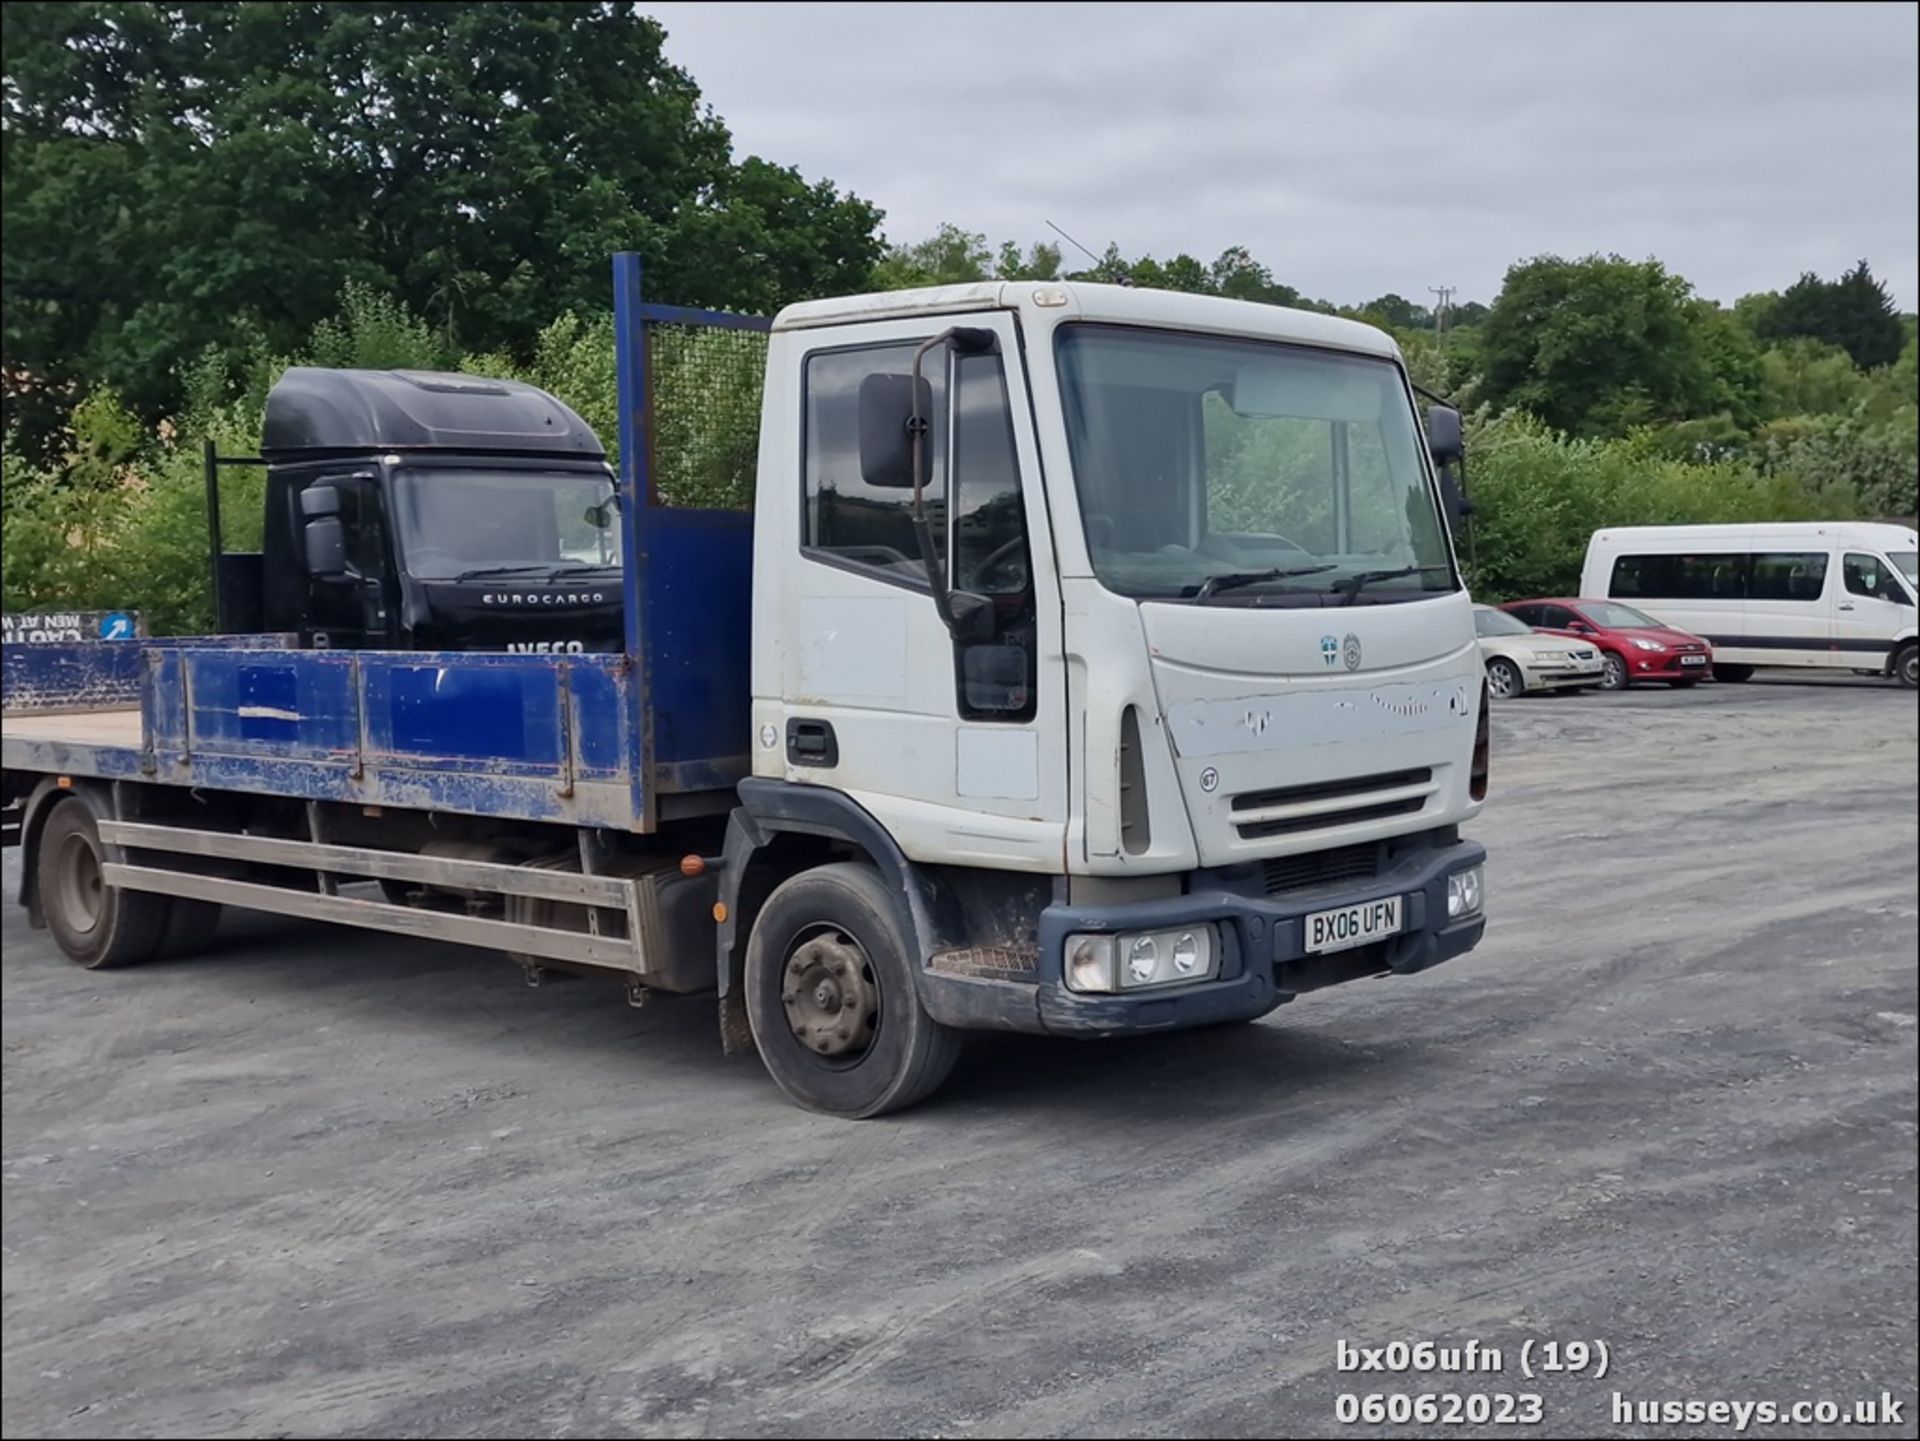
x: 312, y: 409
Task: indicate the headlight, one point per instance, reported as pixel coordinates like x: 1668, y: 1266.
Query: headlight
x: 1102, y: 963
x: 1463, y: 893
x: 1647, y: 644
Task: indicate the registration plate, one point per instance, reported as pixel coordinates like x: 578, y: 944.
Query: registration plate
x: 1353, y: 925
x: 1693, y: 660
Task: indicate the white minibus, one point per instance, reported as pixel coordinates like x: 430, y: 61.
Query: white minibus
x: 1837, y: 595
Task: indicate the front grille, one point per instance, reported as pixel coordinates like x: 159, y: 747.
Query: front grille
x: 1338, y: 866
x: 1293, y: 825
x: 1320, y: 802
x: 1331, y: 790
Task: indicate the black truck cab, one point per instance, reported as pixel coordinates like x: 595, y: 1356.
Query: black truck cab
x: 423, y: 511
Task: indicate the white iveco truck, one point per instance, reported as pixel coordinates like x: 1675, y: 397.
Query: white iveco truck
x: 1109, y: 671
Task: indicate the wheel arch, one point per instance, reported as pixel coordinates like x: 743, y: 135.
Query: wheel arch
x: 50, y: 791
x: 779, y: 830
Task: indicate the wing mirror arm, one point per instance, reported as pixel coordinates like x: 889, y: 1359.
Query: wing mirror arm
x: 975, y: 616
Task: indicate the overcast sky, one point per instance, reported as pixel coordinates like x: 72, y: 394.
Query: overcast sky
x: 1354, y: 148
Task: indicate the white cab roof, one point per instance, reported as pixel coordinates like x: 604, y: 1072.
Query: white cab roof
x: 1054, y: 301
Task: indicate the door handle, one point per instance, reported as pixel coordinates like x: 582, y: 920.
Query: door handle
x: 1846, y: 605
x: 812, y: 743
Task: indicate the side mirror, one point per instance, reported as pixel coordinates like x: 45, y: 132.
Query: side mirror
x: 1444, y: 439
x: 974, y: 619
x: 326, y: 547
x: 887, y: 405
x: 1458, y: 506
x: 1579, y: 627
x: 319, y: 500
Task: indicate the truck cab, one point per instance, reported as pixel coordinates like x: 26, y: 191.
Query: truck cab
x: 421, y: 511
x: 1133, y: 620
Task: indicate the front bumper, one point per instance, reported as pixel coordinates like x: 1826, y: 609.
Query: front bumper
x: 1645, y: 665
x: 1554, y: 677
x: 1263, y: 963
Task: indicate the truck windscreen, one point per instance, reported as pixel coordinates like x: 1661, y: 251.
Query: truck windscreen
x: 457, y: 523
x: 1219, y: 470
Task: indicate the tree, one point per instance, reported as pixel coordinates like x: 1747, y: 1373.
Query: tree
x: 1183, y: 272
x: 1602, y: 345
x: 1237, y: 275
x: 1041, y: 262
x: 951, y: 256
x: 1854, y: 312
x: 1397, y: 313
x: 1810, y: 377
x: 176, y: 175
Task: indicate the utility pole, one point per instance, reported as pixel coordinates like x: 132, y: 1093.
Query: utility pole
x: 1445, y: 292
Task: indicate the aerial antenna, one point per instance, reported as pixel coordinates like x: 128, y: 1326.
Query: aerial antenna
x: 1100, y: 261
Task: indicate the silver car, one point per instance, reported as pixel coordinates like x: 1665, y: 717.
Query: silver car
x: 1520, y: 659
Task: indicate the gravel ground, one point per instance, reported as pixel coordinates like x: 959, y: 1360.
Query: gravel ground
x: 320, y: 1183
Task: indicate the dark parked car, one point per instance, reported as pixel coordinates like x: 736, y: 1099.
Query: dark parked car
x: 1633, y: 645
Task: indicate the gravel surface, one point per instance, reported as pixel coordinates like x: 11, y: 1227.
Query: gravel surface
x: 321, y: 1183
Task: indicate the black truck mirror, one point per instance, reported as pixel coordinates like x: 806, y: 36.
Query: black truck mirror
x: 886, y: 445
x: 319, y: 500
x: 1444, y: 439
x: 326, y: 546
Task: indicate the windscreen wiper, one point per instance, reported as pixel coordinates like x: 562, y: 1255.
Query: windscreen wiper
x: 503, y: 570
x: 1234, y: 579
x: 546, y: 570
x: 1354, y: 584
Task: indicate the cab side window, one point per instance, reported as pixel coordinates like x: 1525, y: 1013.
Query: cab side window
x: 1867, y: 575
x: 847, y: 521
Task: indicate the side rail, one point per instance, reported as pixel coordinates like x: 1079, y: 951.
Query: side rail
x: 553, y: 897
x: 592, y: 902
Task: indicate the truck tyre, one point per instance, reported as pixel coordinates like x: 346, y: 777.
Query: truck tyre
x: 96, y: 924
x: 189, y: 927
x: 1614, y: 669
x: 1732, y: 674
x: 1504, y: 679
x: 831, y: 997
x: 1906, y: 666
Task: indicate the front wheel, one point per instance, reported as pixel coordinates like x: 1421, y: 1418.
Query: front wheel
x: 1613, y: 672
x: 1732, y: 674
x: 1504, y: 679
x: 96, y: 924
x: 831, y: 997
x: 1906, y: 666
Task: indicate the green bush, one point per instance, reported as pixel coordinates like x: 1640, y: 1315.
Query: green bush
x: 1539, y: 496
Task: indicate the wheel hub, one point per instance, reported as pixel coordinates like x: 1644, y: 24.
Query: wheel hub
x: 83, y: 889
x: 830, y: 998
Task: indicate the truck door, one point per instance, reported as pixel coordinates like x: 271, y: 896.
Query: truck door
x: 1870, y: 608
x: 354, y: 609
x: 959, y: 748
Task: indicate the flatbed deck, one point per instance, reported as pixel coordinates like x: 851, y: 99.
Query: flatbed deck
x: 536, y: 737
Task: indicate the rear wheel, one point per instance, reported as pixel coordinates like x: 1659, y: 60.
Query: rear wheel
x: 1613, y: 672
x: 1732, y: 674
x: 1906, y: 666
x: 831, y: 997
x: 96, y: 924
x: 190, y: 926
x: 1503, y: 678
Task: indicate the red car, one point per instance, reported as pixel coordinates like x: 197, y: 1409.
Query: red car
x: 1633, y: 645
